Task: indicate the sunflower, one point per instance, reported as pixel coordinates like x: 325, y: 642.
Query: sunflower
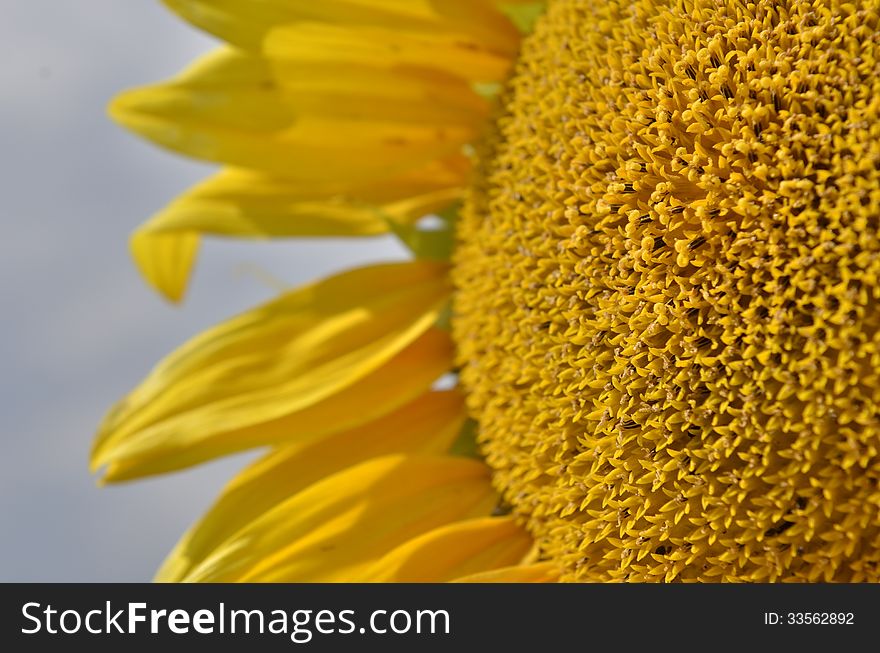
x: 655, y: 281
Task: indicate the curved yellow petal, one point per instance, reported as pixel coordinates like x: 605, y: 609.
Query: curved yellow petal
x: 330, y: 83
x: 245, y: 24
x: 405, y: 376
x: 275, y: 360
x: 165, y: 260
x: 486, y: 20
x: 542, y: 572
x: 337, y: 527
x: 249, y: 204
x: 227, y: 108
x: 428, y: 425
x: 386, y: 48
x: 453, y: 551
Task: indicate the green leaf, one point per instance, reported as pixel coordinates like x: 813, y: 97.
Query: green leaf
x: 466, y: 444
x: 525, y: 14
x: 432, y: 244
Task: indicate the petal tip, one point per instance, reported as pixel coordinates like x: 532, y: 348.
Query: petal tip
x: 165, y: 261
x: 123, y: 108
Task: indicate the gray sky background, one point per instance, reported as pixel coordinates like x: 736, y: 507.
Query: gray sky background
x: 78, y: 327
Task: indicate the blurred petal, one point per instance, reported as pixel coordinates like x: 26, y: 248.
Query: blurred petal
x: 246, y: 24
x: 407, y: 375
x: 249, y: 204
x: 384, y: 47
x: 428, y: 425
x: 327, y: 81
x: 452, y: 551
x: 165, y: 260
x: 336, y: 528
x: 271, y: 362
x: 227, y: 108
x: 543, y: 572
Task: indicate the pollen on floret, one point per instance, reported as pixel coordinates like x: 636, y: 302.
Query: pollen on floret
x: 668, y: 290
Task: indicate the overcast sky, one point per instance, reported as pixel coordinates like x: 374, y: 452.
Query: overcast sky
x: 79, y: 328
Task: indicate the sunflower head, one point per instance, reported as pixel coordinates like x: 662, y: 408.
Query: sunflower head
x: 668, y: 301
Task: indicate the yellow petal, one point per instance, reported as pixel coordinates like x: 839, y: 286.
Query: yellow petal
x: 250, y: 204
x: 385, y: 48
x: 404, y: 377
x: 336, y: 528
x: 452, y: 551
x: 245, y: 24
x: 165, y: 260
x: 227, y: 108
x: 428, y: 425
x: 275, y: 360
x: 542, y: 572
x: 484, y: 20
x: 329, y: 83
